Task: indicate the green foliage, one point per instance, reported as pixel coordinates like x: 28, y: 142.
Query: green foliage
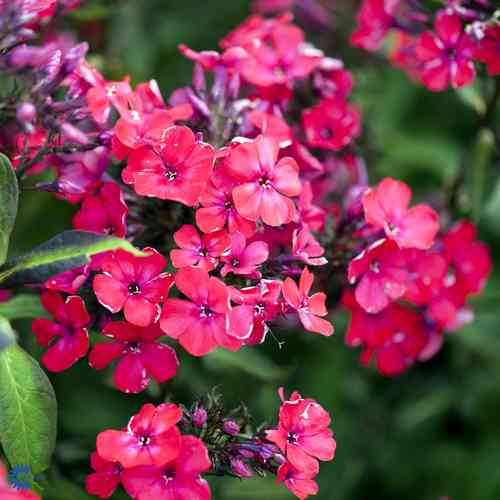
x: 65, y: 251
x: 28, y: 411
x: 7, y: 335
x: 9, y: 197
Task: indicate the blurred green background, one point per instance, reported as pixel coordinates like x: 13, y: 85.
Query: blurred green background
x: 432, y: 432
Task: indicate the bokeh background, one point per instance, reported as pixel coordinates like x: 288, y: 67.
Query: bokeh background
x: 433, y: 432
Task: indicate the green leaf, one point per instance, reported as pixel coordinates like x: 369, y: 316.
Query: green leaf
x: 22, y: 306
x: 250, y: 361
x: 9, y: 197
x: 65, y: 251
x: 28, y: 411
x: 471, y: 96
x: 7, y: 335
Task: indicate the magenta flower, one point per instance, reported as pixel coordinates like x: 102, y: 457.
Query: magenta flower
x: 244, y: 259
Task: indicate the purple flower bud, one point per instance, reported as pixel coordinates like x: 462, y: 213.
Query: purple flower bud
x: 73, y: 134
x: 199, y: 83
x: 26, y: 113
x: 240, y: 468
x: 199, y: 417
x: 230, y: 427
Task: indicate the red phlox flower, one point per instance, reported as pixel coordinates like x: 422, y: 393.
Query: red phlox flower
x: 395, y: 337
x: 141, y: 356
x: 67, y: 337
x: 217, y: 207
x: 203, y: 252
x: 256, y: 305
x: 106, y: 478
x: 307, y: 248
x: 300, y: 482
x: 104, y: 212
x: 69, y: 281
x: 303, y: 433
x: 445, y: 57
x: 381, y: 273
x: 488, y: 51
x: 470, y: 259
x: 134, y: 284
x: 266, y: 184
x: 310, y: 214
x: 79, y: 174
x: 309, y: 308
x: 179, y: 479
x: 201, y: 324
x: 332, y: 79
x: 386, y: 207
x: 331, y: 124
x: 273, y: 126
x: 151, y: 438
x: 103, y: 96
x: 178, y: 169
x: 375, y: 18
x: 243, y: 258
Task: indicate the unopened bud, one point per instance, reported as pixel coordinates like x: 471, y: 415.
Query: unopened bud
x: 199, y: 417
x: 26, y: 113
x: 230, y: 427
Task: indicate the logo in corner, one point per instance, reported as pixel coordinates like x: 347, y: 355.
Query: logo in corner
x: 20, y: 477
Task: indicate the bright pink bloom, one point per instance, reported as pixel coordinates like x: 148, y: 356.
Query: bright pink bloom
x: 273, y: 126
x: 141, y: 356
x: 217, y: 208
x: 488, y: 51
x: 103, y: 95
x: 309, y: 308
x: 244, y: 259
x: 445, y: 57
x: 470, y: 258
x: 178, y: 479
x: 203, y: 252
x: 178, y: 169
x: 307, y: 248
x: 69, y: 281
x: 9, y: 493
x: 256, y: 306
x: 104, y: 212
x: 266, y: 184
x: 303, y: 433
x: 300, y: 482
x: 375, y: 18
x: 332, y: 79
x: 381, y: 273
x: 386, y: 207
x: 395, y: 337
x: 151, y: 438
x: 106, y: 478
x: 134, y: 284
x: 67, y: 336
x: 331, y: 124
x: 201, y: 324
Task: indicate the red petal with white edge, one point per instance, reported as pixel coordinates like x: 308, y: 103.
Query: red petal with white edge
x: 178, y: 316
x: 140, y: 311
x: 111, y: 293
x: 448, y: 27
x: 130, y: 376
x: 105, y: 353
x: 187, y: 237
x: 321, y: 445
x: 291, y: 293
x: 160, y: 361
x: 418, y: 228
x: 286, y: 177
x: 314, y: 324
x: 193, y: 282
x: 193, y: 458
x: 276, y: 209
x: 77, y: 312
x: 247, y: 200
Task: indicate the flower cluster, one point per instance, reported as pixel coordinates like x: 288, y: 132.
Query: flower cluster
x: 234, y: 188
x: 160, y: 454
x: 439, y: 48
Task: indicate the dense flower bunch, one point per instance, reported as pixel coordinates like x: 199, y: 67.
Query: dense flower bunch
x: 160, y: 454
x: 234, y: 189
x: 441, y: 49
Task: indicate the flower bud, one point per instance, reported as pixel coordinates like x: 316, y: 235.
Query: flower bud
x: 240, y: 468
x: 199, y: 417
x: 26, y: 113
x: 230, y: 427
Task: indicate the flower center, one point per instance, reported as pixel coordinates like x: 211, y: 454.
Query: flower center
x: 144, y: 440
x: 375, y: 267
x: 134, y: 347
x: 235, y: 262
x: 170, y: 174
x: 326, y: 133
x: 265, y: 182
x: 168, y: 475
x: 134, y: 289
x: 205, y: 311
x: 292, y: 437
x: 228, y: 204
x: 259, y: 309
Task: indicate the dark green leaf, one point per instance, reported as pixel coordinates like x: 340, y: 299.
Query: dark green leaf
x: 9, y: 197
x: 22, y: 306
x: 7, y: 335
x: 28, y: 411
x: 65, y: 251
